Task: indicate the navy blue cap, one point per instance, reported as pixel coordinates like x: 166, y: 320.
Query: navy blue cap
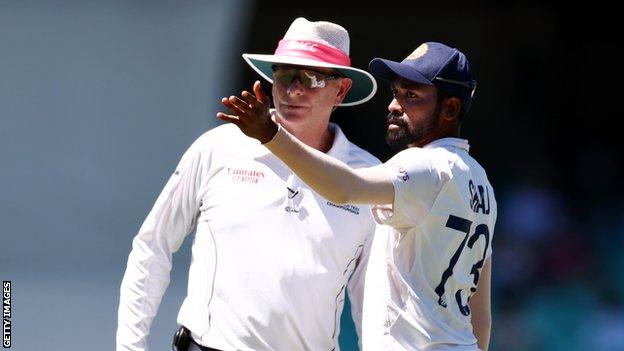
x: 432, y: 64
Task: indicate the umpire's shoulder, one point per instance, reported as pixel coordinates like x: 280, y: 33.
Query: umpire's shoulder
x: 359, y: 157
x: 224, y: 135
x: 356, y: 157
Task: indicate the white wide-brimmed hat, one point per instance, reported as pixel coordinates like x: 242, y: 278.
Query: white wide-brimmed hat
x: 317, y: 44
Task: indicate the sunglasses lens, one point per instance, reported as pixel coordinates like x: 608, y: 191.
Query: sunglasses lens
x: 284, y: 76
x: 313, y: 79
x: 308, y: 78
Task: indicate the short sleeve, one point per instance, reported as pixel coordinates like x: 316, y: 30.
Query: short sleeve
x: 417, y: 181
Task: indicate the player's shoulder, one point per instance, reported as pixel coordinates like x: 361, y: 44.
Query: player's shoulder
x: 424, y: 159
x: 428, y: 166
x: 446, y: 155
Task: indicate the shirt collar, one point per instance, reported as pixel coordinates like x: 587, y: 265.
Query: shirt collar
x: 340, y: 146
x: 448, y: 142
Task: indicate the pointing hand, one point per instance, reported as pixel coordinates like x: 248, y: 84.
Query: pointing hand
x: 251, y: 114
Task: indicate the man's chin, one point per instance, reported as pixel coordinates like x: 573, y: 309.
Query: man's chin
x: 293, y: 114
x: 396, y: 142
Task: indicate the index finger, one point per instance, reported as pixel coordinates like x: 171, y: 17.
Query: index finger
x: 260, y: 95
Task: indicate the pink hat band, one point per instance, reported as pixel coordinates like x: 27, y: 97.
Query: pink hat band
x: 312, y: 50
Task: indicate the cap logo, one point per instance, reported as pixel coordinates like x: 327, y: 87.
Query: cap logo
x: 419, y: 52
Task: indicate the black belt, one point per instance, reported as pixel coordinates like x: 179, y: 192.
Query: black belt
x: 200, y: 347
x: 182, y: 341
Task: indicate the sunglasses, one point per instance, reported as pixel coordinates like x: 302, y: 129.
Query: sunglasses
x: 309, y: 78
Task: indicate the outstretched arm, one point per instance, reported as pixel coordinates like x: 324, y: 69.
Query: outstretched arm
x: 329, y: 177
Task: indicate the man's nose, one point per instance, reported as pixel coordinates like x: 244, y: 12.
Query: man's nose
x: 295, y: 87
x: 395, y: 107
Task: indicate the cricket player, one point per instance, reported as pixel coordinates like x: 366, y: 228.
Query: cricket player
x: 439, y: 206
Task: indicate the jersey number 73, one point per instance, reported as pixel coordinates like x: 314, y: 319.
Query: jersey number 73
x: 463, y: 225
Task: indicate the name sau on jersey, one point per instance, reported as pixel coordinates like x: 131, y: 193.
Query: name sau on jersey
x: 479, y: 198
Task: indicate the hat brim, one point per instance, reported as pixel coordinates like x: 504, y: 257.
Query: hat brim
x: 389, y: 70
x: 363, y: 88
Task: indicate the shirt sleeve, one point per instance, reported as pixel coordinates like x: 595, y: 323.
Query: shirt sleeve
x: 147, y: 274
x: 417, y: 181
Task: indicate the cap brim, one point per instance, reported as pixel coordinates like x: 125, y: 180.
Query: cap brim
x: 363, y: 88
x: 389, y: 70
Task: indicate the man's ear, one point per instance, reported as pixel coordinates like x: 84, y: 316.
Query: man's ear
x: 345, y: 86
x: 451, y: 107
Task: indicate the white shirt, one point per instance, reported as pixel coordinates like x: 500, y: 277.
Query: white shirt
x: 440, y: 229
x: 270, y: 260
